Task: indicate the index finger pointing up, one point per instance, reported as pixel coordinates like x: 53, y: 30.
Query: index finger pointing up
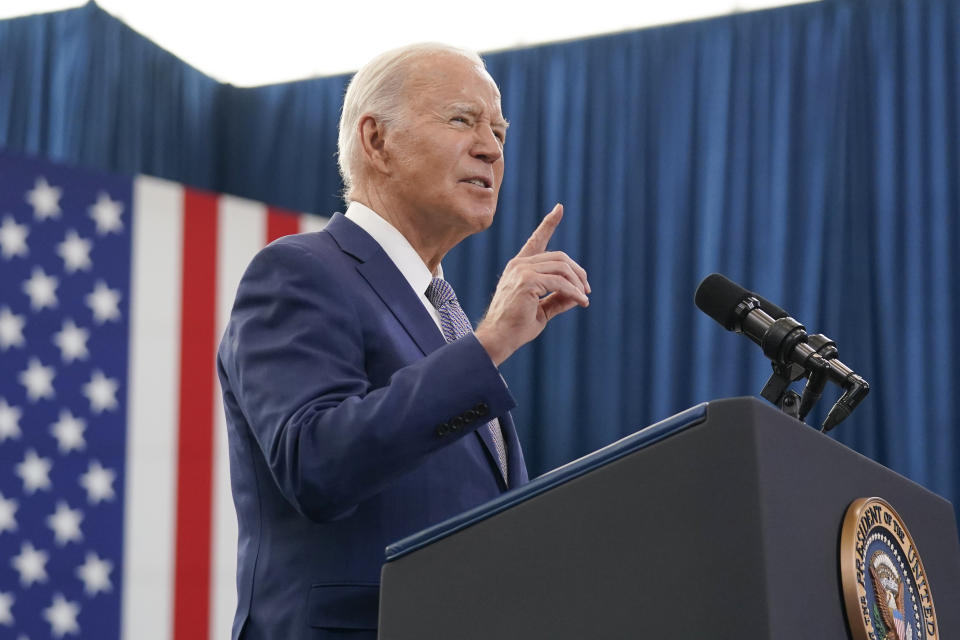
x: 538, y: 240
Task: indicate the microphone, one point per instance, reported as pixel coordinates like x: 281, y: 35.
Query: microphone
x: 823, y: 345
x: 785, y: 342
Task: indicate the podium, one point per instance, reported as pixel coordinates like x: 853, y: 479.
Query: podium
x: 721, y: 522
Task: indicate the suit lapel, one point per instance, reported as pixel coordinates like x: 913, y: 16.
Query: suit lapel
x: 386, y: 280
x: 382, y: 274
x: 396, y: 293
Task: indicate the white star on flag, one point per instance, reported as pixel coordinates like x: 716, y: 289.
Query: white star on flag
x: 95, y: 574
x: 9, y: 421
x: 72, y: 341
x: 104, y: 302
x: 106, y: 213
x: 75, y: 252
x: 8, y: 512
x: 68, y: 431
x: 13, y: 238
x: 31, y: 564
x: 44, y: 199
x: 98, y: 482
x: 11, y: 329
x: 6, y: 603
x: 42, y: 289
x: 101, y: 391
x: 99, y: 328
x: 62, y: 616
x: 34, y: 471
x: 38, y: 380
x: 65, y: 523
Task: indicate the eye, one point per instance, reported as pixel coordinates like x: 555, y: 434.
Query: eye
x: 461, y: 119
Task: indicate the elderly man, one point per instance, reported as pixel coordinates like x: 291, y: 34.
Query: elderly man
x: 361, y: 407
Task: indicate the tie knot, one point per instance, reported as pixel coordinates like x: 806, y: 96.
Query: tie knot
x: 440, y: 293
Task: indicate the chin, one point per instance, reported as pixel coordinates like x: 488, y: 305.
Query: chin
x: 483, y: 220
x: 475, y: 216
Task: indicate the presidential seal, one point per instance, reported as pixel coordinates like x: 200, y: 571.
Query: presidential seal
x: 885, y: 586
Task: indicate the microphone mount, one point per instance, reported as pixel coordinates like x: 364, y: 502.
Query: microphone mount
x: 795, y: 355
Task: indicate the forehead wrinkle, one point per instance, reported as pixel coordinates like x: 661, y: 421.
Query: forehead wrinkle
x: 433, y: 76
x: 432, y: 72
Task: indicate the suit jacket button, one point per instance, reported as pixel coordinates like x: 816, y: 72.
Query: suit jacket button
x: 471, y: 415
x: 443, y: 429
x: 456, y: 423
x: 482, y: 409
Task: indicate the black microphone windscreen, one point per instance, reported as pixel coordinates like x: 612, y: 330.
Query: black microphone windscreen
x: 718, y: 297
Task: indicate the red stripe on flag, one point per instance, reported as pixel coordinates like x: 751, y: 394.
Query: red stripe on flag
x: 191, y: 598
x: 281, y: 223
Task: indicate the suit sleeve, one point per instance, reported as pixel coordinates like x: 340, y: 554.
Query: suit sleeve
x: 293, y: 360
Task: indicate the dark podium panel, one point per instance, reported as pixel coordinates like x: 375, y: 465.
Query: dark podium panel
x: 722, y: 522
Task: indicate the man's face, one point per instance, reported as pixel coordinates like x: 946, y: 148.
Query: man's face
x: 448, y: 147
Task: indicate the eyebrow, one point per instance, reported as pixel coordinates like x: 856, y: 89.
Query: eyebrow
x: 471, y: 109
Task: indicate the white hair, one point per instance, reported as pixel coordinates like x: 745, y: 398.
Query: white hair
x: 377, y: 90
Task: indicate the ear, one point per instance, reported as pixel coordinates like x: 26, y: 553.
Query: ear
x: 372, y: 140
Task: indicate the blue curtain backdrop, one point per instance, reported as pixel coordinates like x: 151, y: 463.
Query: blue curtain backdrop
x: 810, y: 153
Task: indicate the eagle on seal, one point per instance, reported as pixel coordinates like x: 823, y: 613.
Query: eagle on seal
x: 889, y: 590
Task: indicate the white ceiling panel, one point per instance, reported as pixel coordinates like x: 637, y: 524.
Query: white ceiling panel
x: 254, y: 42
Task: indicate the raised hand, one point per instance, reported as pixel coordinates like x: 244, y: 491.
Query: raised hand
x: 536, y: 286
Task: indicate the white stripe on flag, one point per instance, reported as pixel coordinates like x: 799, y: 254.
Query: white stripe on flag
x: 242, y: 232
x: 153, y: 402
x: 153, y: 418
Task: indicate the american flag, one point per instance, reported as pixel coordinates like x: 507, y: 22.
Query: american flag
x: 115, y: 512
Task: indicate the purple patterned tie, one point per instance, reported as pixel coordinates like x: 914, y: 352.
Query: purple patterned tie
x: 454, y: 324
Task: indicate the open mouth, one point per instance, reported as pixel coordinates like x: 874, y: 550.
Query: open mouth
x: 480, y: 182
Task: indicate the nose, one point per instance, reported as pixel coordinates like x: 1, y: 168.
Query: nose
x: 486, y: 146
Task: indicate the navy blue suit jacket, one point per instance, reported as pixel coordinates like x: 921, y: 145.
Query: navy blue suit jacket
x: 336, y: 382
